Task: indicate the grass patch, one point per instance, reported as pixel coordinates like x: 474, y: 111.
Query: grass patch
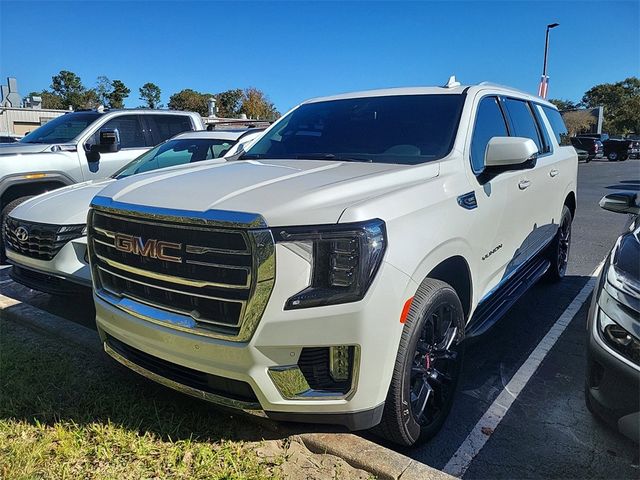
x: 70, y: 413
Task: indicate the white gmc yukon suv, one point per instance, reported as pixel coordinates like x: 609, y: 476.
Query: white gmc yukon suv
x: 333, y: 273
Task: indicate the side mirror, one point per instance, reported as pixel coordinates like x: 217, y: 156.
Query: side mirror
x: 109, y: 140
x: 235, y: 152
x: 505, y: 152
x: 621, y: 202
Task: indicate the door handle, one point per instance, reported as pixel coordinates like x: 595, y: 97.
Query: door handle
x: 524, y: 184
x: 554, y: 172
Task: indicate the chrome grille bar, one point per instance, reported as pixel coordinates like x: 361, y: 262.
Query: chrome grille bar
x: 216, y: 282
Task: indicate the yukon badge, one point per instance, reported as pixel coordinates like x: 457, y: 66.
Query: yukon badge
x: 151, y: 248
x: 492, y: 252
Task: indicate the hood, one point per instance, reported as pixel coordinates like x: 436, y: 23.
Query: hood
x: 19, y: 147
x: 284, y: 192
x: 64, y: 206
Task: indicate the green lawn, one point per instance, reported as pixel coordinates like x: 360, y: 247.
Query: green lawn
x: 66, y: 412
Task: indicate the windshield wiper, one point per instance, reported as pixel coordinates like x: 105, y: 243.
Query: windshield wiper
x: 331, y: 156
x: 251, y: 156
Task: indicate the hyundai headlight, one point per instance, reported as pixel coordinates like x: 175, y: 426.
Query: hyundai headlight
x: 344, y: 260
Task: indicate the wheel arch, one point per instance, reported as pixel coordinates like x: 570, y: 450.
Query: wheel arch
x: 570, y: 202
x: 22, y: 188
x: 456, y: 272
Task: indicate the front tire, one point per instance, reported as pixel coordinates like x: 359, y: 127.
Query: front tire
x: 427, y: 366
x: 613, y: 157
x: 558, y: 252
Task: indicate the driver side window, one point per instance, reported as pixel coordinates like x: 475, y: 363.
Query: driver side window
x: 490, y: 123
x: 130, y: 129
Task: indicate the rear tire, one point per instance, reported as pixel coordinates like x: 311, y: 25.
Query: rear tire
x: 558, y: 250
x: 8, y: 208
x: 427, y: 366
x: 612, y: 156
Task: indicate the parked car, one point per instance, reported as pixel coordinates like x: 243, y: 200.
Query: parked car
x: 80, y: 146
x: 333, y: 273
x: 8, y: 137
x: 588, y: 148
x: 620, y: 150
x: 46, y: 235
x: 612, y: 388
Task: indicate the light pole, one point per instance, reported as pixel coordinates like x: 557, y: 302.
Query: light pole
x: 544, y: 81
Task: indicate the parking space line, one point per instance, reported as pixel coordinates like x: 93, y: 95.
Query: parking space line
x: 477, y: 438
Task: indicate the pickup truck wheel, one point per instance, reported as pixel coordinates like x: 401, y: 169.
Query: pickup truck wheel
x: 427, y: 367
x: 613, y: 156
x: 558, y: 250
x: 3, y: 216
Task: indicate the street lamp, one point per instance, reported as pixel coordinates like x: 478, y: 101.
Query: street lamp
x: 544, y: 81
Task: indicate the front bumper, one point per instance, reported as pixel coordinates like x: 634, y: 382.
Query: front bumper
x: 613, y: 382
x: 372, y: 325
x: 66, y: 273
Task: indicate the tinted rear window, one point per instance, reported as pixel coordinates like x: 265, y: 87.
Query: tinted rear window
x: 557, y: 125
x: 522, y: 121
x: 166, y: 126
x: 404, y: 129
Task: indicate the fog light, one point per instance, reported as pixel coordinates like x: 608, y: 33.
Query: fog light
x: 339, y: 364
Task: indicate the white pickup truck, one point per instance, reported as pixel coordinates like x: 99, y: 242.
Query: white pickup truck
x: 45, y: 236
x: 334, y: 272
x: 81, y: 146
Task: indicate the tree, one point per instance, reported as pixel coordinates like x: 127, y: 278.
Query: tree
x: 68, y: 87
x: 119, y: 92
x: 49, y: 100
x: 564, y: 105
x: 578, y: 121
x: 150, y: 94
x: 621, y: 102
x: 256, y: 105
x: 191, y: 100
x: 229, y: 103
x: 103, y: 89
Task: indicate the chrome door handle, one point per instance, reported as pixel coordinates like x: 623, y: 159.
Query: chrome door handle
x: 554, y: 172
x: 524, y: 184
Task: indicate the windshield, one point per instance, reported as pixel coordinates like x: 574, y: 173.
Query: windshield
x: 404, y: 129
x: 176, y: 152
x: 62, y: 129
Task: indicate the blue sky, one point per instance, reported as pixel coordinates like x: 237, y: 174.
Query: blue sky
x: 297, y: 50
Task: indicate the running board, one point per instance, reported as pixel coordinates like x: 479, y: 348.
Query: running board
x: 490, y: 310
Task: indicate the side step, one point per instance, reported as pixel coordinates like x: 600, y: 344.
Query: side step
x: 491, y: 309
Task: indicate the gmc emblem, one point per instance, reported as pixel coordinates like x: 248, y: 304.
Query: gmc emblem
x: 152, y: 248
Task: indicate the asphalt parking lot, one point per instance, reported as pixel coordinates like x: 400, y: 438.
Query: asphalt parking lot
x: 547, y: 432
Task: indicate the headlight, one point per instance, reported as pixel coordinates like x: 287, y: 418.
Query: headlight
x: 344, y: 260
x: 618, y: 338
x: 620, y: 280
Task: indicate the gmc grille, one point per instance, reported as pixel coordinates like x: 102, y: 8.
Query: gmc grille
x: 38, y: 240
x: 210, y: 280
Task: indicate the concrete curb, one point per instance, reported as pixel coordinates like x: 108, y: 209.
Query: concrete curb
x: 361, y: 453
x: 358, y: 452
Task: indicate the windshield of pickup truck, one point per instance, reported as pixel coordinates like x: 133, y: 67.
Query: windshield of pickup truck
x: 176, y: 152
x: 402, y: 129
x: 62, y: 129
